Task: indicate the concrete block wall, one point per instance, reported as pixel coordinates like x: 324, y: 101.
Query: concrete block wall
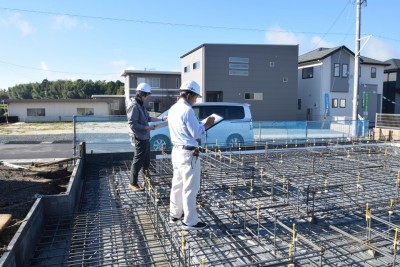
x: 21, y: 247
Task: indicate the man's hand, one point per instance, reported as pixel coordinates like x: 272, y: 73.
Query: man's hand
x: 152, y: 127
x: 210, y: 121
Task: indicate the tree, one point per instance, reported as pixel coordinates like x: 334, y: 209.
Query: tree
x: 65, y: 89
x: 3, y: 94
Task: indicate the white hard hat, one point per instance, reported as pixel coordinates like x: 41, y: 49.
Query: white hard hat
x: 191, y: 86
x: 143, y: 87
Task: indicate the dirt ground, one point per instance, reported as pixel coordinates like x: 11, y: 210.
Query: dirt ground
x: 19, y: 189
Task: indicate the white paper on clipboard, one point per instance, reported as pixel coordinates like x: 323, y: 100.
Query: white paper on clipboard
x: 217, y: 117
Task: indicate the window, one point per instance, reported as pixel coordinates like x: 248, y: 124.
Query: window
x: 345, y: 70
x: 271, y: 64
x: 239, y: 66
x: 196, y: 65
x: 342, y: 103
x: 153, y: 106
x: 285, y: 79
x: 373, y: 72
x: 336, y: 70
x: 239, y: 72
x: 299, y: 104
x: 308, y: 73
x: 253, y: 96
x: 36, y: 112
x: 186, y: 69
x: 153, y: 82
x: 85, y: 111
x: 239, y: 59
x: 178, y: 83
x: 228, y: 112
x: 114, y: 105
x: 334, y: 102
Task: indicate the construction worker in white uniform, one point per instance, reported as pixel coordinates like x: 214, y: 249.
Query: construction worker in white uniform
x: 184, y: 129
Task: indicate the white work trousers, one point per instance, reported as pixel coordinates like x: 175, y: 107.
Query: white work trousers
x: 185, y: 185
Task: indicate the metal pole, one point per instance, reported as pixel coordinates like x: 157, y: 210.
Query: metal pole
x: 356, y: 67
x: 74, y: 127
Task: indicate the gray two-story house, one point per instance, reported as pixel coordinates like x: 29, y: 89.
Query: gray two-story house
x: 326, y: 83
x: 264, y: 76
x: 164, y: 87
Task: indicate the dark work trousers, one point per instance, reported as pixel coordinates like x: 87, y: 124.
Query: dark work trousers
x: 141, y: 159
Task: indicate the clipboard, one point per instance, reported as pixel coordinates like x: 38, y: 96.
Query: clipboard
x: 217, y: 117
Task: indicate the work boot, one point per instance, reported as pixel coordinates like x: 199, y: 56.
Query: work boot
x: 135, y: 188
x: 198, y: 226
x: 174, y: 221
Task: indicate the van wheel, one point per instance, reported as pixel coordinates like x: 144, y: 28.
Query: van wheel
x: 234, y: 140
x: 158, y: 141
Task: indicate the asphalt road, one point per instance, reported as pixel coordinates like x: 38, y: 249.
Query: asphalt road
x: 53, y: 151
x: 35, y: 151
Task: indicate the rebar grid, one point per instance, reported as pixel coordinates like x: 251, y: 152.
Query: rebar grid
x: 333, y: 206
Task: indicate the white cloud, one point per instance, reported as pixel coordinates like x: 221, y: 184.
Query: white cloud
x: 119, y: 62
x: 129, y: 68
x: 16, y: 21
x: 317, y: 42
x: 44, y: 66
x: 379, y: 50
x: 87, y: 26
x: 277, y: 35
x: 65, y: 21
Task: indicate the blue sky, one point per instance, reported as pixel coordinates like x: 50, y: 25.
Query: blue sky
x: 98, y: 40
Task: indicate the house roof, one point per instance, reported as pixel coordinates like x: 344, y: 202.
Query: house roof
x: 371, y: 61
x: 108, y: 96
x: 127, y: 72
x: 321, y: 53
x: 224, y: 44
x: 393, y: 65
x: 55, y: 100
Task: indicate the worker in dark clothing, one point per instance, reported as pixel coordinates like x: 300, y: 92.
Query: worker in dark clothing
x: 139, y: 131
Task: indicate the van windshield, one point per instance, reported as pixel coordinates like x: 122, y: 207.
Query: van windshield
x: 227, y: 112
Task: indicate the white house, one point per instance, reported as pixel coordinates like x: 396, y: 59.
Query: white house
x: 326, y: 81
x: 41, y: 110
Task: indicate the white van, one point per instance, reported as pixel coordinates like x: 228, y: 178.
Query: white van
x: 235, y: 129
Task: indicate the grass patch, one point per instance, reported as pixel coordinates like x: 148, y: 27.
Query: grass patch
x: 36, y: 128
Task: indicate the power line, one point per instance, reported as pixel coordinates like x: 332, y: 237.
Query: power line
x: 55, y: 71
x: 161, y: 22
x: 184, y: 24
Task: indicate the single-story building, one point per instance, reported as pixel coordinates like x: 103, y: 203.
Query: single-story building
x: 45, y: 110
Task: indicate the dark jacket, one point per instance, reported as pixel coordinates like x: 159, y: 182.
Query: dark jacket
x: 138, y: 119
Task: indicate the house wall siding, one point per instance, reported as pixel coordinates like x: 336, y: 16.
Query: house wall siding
x: 279, y: 98
x: 196, y: 75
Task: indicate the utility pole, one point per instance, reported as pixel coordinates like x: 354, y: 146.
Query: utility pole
x: 356, y: 65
